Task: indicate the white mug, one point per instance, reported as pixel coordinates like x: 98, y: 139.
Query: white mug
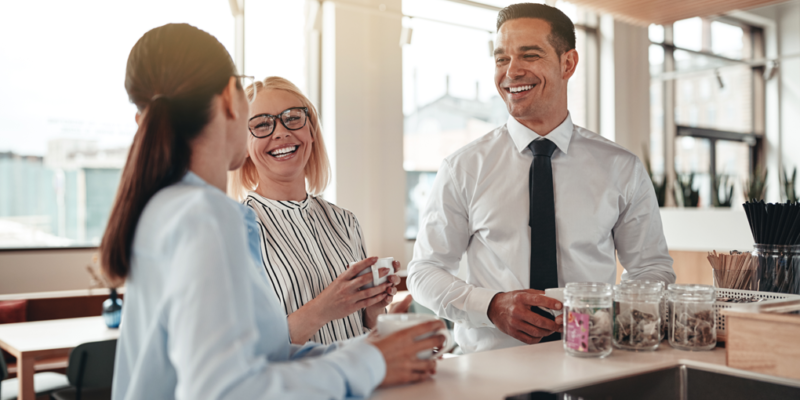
x: 391, y: 323
x: 558, y: 294
x: 385, y: 262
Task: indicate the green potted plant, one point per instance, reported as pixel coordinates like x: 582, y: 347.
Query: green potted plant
x: 685, y: 193
x: 725, y: 184
x: 659, y: 185
x: 755, y: 187
x: 789, y: 191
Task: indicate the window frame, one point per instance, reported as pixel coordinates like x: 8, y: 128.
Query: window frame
x: 753, y: 50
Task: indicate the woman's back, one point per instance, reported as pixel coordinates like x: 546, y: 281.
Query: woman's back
x: 191, y: 269
x: 189, y: 254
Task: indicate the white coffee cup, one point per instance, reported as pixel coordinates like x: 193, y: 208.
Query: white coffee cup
x: 558, y: 294
x: 391, y: 323
x: 385, y: 262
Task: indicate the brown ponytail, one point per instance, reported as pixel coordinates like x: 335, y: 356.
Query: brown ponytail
x: 173, y: 73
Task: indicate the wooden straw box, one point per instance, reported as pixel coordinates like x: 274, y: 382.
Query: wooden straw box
x: 768, y: 343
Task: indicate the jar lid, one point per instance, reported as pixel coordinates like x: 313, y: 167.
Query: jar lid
x: 692, y: 291
x: 588, y: 289
x: 643, y: 283
x: 640, y: 287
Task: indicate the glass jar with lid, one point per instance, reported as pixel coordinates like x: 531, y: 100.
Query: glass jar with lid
x: 588, y: 322
x: 638, y: 315
x: 662, y: 309
x: 692, y: 318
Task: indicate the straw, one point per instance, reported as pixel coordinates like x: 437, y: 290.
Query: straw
x: 773, y: 224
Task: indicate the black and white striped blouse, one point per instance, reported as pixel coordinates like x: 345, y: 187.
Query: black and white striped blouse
x: 304, y: 246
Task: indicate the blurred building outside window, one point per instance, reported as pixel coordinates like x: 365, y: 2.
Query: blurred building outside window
x: 65, y: 119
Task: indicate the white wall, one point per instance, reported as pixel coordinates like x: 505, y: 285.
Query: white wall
x: 362, y: 114
x: 631, y: 87
x: 45, y: 270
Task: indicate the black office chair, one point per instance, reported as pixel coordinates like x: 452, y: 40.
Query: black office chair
x: 90, y: 371
x: 43, y: 382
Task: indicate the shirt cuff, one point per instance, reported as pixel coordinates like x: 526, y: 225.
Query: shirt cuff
x: 478, y: 307
x: 362, y: 364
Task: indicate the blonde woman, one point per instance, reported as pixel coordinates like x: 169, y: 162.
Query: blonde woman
x: 306, y: 242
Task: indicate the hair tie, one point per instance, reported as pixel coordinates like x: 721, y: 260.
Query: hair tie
x: 156, y: 97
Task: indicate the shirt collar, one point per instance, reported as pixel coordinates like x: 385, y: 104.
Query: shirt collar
x: 193, y: 179
x: 282, y: 204
x: 523, y: 136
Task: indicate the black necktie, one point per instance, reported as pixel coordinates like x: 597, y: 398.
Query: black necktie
x: 542, y: 220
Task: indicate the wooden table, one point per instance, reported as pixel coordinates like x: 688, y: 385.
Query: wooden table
x: 31, y: 341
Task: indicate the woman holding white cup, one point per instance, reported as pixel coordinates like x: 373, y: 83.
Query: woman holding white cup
x: 307, y: 243
x: 200, y: 318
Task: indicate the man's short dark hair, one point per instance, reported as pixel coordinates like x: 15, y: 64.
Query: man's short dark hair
x: 562, y: 31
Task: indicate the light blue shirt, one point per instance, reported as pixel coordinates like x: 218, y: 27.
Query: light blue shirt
x: 201, y: 320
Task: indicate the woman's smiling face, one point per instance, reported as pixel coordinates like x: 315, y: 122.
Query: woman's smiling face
x: 283, y: 155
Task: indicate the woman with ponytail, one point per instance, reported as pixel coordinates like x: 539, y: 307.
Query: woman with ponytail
x: 200, y: 318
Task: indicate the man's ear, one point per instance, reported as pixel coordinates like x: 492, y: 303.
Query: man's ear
x: 137, y: 117
x: 569, y: 62
x: 227, y: 96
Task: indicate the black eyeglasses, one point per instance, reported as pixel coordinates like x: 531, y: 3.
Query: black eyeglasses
x: 263, y: 125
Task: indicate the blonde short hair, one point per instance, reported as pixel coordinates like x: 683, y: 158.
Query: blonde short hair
x: 318, y: 168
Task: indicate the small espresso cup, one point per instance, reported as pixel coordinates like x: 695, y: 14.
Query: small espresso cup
x: 558, y: 294
x: 385, y: 262
x: 391, y: 323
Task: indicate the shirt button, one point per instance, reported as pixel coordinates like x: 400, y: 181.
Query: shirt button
x: 485, y: 324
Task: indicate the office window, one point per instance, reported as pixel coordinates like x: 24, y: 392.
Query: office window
x: 449, y: 94
x: 714, y: 104
x: 275, y: 40
x: 727, y: 40
x: 689, y: 34
x: 65, y: 119
x: 721, y: 100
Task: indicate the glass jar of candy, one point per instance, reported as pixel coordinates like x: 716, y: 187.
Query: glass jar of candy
x: 588, y: 323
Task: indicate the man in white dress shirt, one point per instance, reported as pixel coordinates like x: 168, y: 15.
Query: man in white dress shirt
x: 536, y: 203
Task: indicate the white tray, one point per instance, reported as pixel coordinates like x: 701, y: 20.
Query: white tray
x: 738, y: 294
x: 770, y: 297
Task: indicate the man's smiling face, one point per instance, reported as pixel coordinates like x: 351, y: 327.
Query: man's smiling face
x: 529, y: 74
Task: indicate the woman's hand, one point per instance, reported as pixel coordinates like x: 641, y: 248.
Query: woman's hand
x: 340, y: 299
x: 402, y: 306
x: 371, y: 313
x: 400, y: 350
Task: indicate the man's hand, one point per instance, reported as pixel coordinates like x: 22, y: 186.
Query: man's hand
x: 511, y: 313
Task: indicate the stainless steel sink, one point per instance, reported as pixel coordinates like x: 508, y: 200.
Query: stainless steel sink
x: 677, y: 383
